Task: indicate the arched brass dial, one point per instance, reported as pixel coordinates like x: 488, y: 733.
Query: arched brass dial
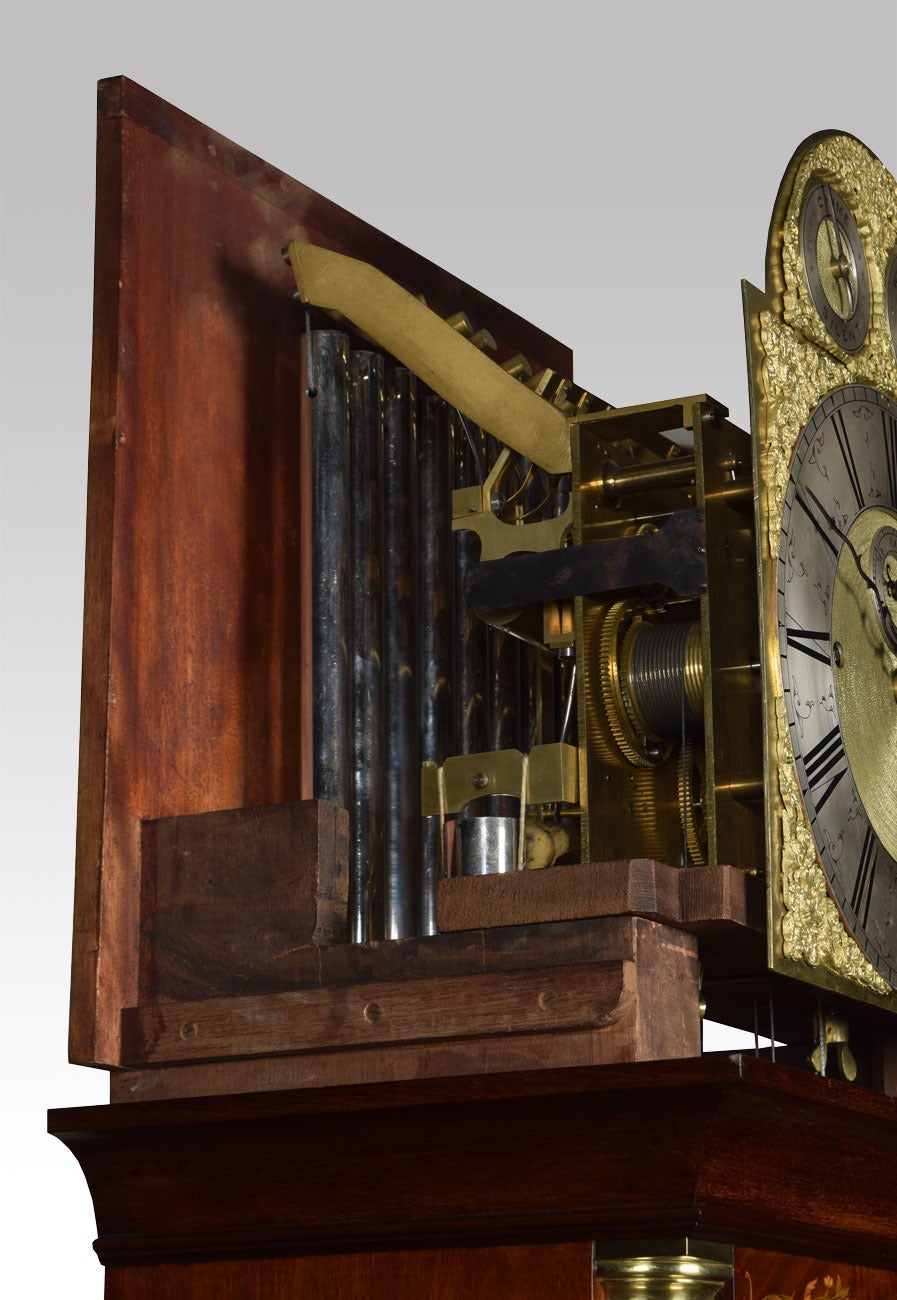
x: 835, y: 265
x: 836, y: 588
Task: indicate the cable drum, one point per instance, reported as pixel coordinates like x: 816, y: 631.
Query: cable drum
x: 663, y: 664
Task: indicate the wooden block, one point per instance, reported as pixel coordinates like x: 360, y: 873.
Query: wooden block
x: 660, y: 1021
x: 692, y: 898
x: 641, y: 886
x: 710, y: 895
x: 577, y: 997
x: 235, y: 902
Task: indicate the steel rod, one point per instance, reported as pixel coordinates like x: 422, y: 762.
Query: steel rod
x: 435, y: 622
x: 367, y: 806
x: 402, y: 758
x: 331, y: 706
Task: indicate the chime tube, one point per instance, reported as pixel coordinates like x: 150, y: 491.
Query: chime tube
x: 435, y: 622
x: 470, y: 641
x: 331, y: 615
x: 366, y: 373
x: 503, y: 700
x: 402, y: 756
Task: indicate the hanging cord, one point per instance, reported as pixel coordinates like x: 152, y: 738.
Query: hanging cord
x: 310, y: 386
x: 521, y: 829
x: 568, y: 709
x: 684, y: 779
x: 473, y: 447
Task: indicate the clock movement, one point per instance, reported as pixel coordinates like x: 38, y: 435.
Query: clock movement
x: 452, y: 740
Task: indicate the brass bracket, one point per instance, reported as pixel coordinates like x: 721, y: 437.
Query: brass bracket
x: 472, y: 512
x: 552, y: 776
x: 452, y: 365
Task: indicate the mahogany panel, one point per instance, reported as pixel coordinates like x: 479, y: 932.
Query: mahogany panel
x: 556, y: 1272
x: 763, y: 1275
x: 326, y: 223
x: 733, y: 1149
x: 195, y: 682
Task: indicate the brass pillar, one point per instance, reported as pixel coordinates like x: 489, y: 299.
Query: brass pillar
x: 669, y: 1268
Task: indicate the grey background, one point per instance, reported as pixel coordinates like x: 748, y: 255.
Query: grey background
x: 607, y: 170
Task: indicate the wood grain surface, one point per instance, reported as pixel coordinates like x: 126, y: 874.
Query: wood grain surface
x: 767, y: 1275
x: 616, y: 989
x: 228, y: 898
x: 733, y: 1149
x: 373, y: 1015
x: 556, y: 1272
x: 693, y: 898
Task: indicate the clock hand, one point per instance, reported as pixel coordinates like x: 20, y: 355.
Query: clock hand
x: 843, y: 262
x: 884, y: 615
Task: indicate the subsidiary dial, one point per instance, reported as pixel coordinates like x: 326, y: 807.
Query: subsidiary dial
x: 835, y: 266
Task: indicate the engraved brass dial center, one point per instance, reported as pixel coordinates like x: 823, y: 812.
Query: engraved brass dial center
x: 864, y: 691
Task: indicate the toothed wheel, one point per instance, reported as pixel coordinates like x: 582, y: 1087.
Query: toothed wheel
x: 614, y: 640
x: 691, y: 789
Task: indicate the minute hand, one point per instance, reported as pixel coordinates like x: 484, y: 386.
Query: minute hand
x: 880, y: 606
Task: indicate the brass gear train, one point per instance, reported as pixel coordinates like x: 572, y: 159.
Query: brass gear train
x: 690, y: 789
x: 649, y: 678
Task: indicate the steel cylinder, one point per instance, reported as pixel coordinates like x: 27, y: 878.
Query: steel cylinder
x: 470, y: 641
x: 435, y: 622
x: 487, y: 846
x: 331, y: 615
x: 366, y: 372
x: 402, y: 757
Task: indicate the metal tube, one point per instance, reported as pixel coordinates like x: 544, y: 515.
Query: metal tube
x: 470, y: 661
x: 435, y: 623
x: 487, y: 846
x: 503, y: 704
x: 330, y: 576
x: 402, y: 759
x: 619, y: 481
x: 367, y: 804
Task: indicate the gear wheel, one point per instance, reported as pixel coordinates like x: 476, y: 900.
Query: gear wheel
x: 691, y: 784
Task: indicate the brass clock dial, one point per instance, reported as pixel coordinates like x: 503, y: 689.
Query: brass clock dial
x: 835, y: 265
x: 837, y: 579
x: 824, y: 447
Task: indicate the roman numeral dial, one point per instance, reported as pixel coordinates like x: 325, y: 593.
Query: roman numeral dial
x: 836, y: 588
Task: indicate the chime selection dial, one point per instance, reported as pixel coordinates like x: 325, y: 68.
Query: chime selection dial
x: 835, y: 266
x: 836, y: 599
